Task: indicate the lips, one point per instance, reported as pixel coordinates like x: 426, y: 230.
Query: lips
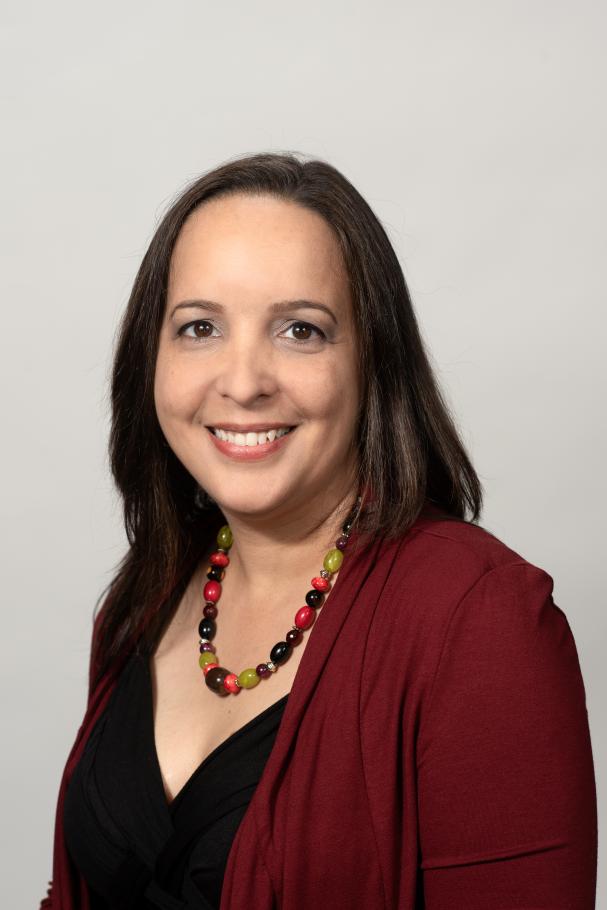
x: 244, y: 453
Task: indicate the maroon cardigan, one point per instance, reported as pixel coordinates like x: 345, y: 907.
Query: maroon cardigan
x: 434, y: 751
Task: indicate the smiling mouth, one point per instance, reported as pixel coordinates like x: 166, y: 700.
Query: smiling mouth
x: 251, y: 439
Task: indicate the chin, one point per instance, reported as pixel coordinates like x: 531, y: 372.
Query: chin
x: 256, y: 503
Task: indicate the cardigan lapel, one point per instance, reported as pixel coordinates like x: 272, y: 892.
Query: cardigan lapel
x: 248, y: 878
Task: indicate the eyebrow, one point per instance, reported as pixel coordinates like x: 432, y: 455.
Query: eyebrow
x: 280, y: 306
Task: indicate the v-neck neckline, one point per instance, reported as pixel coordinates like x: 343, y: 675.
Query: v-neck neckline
x: 173, y: 805
x: 323, y: 632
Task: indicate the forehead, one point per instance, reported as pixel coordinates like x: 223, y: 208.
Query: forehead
x: 258, y: 244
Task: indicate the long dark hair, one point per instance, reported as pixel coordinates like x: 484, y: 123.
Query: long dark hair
x: 409, y: 450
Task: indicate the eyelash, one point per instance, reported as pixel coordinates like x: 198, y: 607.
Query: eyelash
x: 181, y: 331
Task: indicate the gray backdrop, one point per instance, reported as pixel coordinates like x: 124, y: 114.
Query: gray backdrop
x: 475, y: 132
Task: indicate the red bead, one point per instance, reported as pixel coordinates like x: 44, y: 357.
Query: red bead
x: 304, y: 617
x: 219, y: 559
x: 212, y: 591
x: 210, y: 611
x: 208, y: 667
x: 321, y: 584
x: 230, y: 683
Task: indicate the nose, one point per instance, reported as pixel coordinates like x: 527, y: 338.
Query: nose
x: 246, y: 368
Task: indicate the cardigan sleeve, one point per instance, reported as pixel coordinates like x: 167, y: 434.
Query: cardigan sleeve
x: 48, y: 902
x: 506, y: 787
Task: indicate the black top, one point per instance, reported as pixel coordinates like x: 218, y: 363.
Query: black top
x: 136, y: 850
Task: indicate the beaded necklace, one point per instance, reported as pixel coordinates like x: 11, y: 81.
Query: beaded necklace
x: 222, y: 681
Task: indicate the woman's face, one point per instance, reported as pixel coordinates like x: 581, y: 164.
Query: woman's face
x: 238, y: 346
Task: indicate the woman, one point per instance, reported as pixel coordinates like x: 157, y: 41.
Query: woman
x: 413, y: 729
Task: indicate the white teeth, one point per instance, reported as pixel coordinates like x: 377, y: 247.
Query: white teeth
x: 250, y: 439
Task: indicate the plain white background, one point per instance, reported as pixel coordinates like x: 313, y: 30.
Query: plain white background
x: 475, y: 130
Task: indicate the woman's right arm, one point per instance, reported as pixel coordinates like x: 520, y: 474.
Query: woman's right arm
x: 48, y: 902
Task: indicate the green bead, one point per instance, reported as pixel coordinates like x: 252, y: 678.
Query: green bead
x: 248, y: 678
x: 207, y: 657
x: 333, y: 560
x: 224, y: 537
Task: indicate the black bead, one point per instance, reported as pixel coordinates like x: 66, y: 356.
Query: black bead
x: 207, y: 628
x: 349, y: 522
x: 281, y: 652
x: 314, y: 598
x: 215, y: 573
x: 214, y: 679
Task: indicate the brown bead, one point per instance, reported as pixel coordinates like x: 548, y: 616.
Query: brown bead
x: 294, y: 636
x: 214, y: 679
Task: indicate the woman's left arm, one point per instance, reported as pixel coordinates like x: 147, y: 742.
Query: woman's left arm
x: 507, y: 798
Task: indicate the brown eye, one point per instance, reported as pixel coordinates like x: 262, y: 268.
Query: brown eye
x: 201, y: 333
x: 304, y: 332
x: 201, y: 329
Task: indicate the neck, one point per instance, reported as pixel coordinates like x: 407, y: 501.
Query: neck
x: 267, y: 557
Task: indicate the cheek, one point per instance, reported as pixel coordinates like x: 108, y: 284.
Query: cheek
x: 162, y: 389
x: 174, y: 396
x: 329, y: 391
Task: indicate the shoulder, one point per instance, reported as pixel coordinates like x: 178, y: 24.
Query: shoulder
x: 496, y: 647
x: 461, y: 608
x: 444, y: 567
x: 463, y: 543
x: 449, y: 554
x: 456, y: 550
